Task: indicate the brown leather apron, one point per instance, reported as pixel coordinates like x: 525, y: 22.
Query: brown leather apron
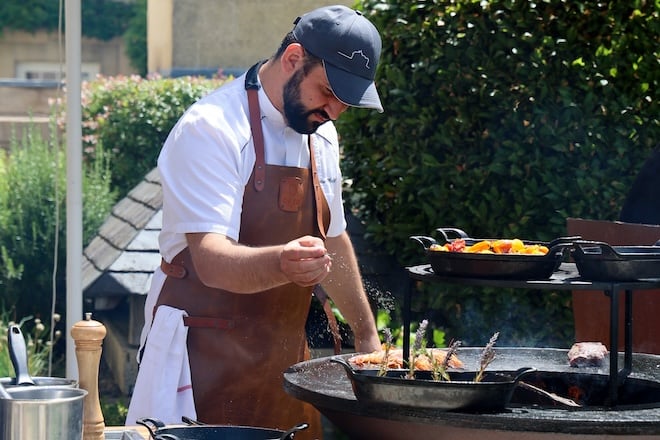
x: 240, y: 344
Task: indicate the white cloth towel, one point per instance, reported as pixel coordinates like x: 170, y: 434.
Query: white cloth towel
x: 163, y: 388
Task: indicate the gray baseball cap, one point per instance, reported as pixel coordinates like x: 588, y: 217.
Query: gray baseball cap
x: 349, y: 46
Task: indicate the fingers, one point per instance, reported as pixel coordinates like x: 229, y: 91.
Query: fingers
x: 305, y: 261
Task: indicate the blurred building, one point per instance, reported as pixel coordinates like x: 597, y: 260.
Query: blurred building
x: 202, y: 36
x: 183, y: 37
x: 31, y: 65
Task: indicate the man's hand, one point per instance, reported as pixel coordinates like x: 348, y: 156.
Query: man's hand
x: 305, y: 261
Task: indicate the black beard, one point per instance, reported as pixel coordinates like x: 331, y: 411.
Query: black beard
x: 297, y: 116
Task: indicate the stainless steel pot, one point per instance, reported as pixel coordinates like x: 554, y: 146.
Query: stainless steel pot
x: 42, y: 413
x: 40, y: 381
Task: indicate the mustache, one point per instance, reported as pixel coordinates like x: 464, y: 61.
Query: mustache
x: 321, y: 113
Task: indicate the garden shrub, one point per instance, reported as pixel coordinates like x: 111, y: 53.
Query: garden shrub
x: 100, y: 19
x: 38, y: 344
x: 135, y: 37
x: 502, y: 118
x: 33, y: 220
x: 132, y: 117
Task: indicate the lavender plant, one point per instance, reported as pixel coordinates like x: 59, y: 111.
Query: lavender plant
x: 487, y: 356
x: 418, y: 346
x: 387, y: 336
x: 440, y: 368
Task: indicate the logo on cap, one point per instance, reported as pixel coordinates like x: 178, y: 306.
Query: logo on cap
x: 357, y: 52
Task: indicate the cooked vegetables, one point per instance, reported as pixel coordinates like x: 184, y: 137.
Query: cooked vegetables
x: 503, y: 246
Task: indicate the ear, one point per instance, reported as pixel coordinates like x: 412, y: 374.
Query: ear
x: 292, y: 58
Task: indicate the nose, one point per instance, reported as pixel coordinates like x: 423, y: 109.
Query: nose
x: 334, y: 108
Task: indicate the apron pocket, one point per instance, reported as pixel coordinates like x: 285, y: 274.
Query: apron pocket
x: 292, y: 194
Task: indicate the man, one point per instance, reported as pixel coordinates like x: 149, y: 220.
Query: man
x: 252, y: 221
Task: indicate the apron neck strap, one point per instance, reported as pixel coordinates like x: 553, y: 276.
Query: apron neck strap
x: 252, y: 86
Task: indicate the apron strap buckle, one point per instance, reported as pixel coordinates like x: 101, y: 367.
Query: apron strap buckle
x: 173, y: 270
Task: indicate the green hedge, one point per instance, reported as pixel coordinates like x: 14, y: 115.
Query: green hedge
x: 135, y: 37
x: 502, y: 118
x: 134, y: 115
x: 102, y: 19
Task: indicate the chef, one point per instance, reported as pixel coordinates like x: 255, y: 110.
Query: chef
x: 253, y: 220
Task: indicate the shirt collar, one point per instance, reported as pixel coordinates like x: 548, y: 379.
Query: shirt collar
x: 268, y: 110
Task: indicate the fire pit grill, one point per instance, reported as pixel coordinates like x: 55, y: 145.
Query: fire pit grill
x: 326, y: 385
x: 566, y: 277
x: 625, y: 402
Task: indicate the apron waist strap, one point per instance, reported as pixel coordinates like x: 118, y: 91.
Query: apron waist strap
x: 204, y: 322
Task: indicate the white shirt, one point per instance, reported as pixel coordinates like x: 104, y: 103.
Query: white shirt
x: 208, y: 158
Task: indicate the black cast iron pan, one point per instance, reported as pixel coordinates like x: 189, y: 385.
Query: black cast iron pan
x: 197, y: 431
x: 598, y: 261
x: 493, y: 266
x: 462, y: 393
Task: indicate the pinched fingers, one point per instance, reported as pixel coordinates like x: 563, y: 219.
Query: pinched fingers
x: 305, y: 261
x: 305, y: 273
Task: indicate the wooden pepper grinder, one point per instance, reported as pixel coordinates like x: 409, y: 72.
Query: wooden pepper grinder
x: 88, y: 336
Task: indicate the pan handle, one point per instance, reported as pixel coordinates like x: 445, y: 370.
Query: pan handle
x: 18, y: 354
x: 188, y: 421
x: 289, y: 434
x: 517, y: 376
x: 424, y: 240
x: 152, y: 425
x: 341, y: 361
x: 448, y: 233
x: 605, y: 249
x: 564, y: 240
x: 520, y: 372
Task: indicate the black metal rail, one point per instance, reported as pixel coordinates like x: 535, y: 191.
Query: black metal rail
x: 565, y: 278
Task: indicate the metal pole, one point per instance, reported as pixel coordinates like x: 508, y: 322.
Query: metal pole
x: 74, y: 179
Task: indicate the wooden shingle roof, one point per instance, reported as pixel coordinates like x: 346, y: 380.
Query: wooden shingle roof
x: 121, y: 259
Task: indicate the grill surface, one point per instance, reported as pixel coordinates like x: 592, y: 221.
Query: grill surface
x: 326, y: 385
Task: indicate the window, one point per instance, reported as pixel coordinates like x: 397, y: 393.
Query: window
x: 51, y: 71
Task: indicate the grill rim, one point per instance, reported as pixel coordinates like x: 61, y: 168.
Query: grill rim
x: 610, y: 421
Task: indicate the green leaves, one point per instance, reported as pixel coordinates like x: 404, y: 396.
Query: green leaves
x: 132, y: 116
x: 100, y: 18
x: 32, y: 213
x: 502, y: 118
